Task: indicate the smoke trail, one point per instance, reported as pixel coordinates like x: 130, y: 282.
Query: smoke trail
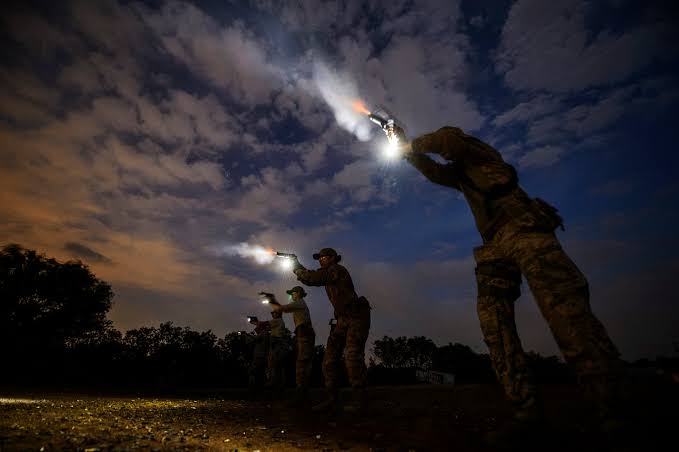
x: 259, y: 253
x: 339, y: 91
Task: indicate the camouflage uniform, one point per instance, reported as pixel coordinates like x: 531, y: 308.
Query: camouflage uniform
x: 260, y: 352
x: 353, y: 324
x: 518, y: 238
x: 279, y: 348
x: 305, y: 338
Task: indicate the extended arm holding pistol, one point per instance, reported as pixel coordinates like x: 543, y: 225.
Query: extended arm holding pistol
x: 269, y: 298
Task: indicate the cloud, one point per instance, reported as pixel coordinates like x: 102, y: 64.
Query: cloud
x: 81, y: 75
x: 167, y: 170
x: 340, y: 91
x: 80, y: 250
x: 35, y: 34
x: 419, y: 79
x: 356, y: 177
x: 541, y: 157
x: 229, y: 57
x: 555, y: 124
x: 536, y: 107
x: 548, y: 47
x: 266, y: 197
x: 419, y: 73
x: 24, y: 112
x: 311, y: 15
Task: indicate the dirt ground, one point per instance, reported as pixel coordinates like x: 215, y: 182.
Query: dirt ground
x: 412, y: 418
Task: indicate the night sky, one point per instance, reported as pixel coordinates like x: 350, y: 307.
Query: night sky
x: 151, y: 139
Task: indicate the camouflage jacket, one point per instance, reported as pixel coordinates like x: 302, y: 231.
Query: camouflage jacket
x: 489, y: 185
x: 337, y: 282
x: 300, y: 312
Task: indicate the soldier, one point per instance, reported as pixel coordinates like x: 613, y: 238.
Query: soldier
x: 349, y: 335
x: 279, y: 348
x: 518, y: 238
x: 260, y: 352
x: 305, y: 338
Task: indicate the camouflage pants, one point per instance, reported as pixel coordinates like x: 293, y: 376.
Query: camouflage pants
x: 305, y: 338
x: 276, y: 363
x: 258, y: 365
x: 562, y: 294
x: 347, y: 338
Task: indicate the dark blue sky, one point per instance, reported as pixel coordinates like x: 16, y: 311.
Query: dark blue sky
x: 152, y: 139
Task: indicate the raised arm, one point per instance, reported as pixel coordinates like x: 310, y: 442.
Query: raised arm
x: 292, y: 307
x: 448, y: 142
x: 318, y: 277
x: 434, y: 171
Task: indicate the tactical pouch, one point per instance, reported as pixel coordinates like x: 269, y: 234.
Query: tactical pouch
x: 547, y: 214
x: 532, y: 214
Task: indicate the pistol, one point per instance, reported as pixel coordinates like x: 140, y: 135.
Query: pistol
x: 268, y: 298
x: 251, y: 319
x: 392, y: 128
x: 288, y: 255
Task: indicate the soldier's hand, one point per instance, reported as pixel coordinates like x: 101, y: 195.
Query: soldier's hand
x: 406, y: 149
x: 398, y: 134
x: 295, y: 264
x: 273, y: 302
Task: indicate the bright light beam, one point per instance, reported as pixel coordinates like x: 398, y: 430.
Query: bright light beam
x: 390, y: 151
x: 285, y: 264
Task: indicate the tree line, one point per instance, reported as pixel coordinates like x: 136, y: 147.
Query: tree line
x: 54, y: 331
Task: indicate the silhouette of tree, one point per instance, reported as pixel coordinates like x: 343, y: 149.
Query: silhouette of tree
x: 44, y: 303
x: 549, y: 369
x: 464, y: 363
x: 414, y: 352
x: 235, y: 350
x: 390, y: 353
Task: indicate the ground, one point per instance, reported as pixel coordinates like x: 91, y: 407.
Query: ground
x: 418, y: 418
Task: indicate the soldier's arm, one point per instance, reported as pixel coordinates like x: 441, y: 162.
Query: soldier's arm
x: 447, y: 141
x: 292, y: 307
x: 312, y: 277
x: 434, y: 171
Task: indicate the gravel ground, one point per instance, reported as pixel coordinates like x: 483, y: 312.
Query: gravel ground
x: 399, y: 418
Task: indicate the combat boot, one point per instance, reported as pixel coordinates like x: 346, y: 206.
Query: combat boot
x: 331, y: 403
